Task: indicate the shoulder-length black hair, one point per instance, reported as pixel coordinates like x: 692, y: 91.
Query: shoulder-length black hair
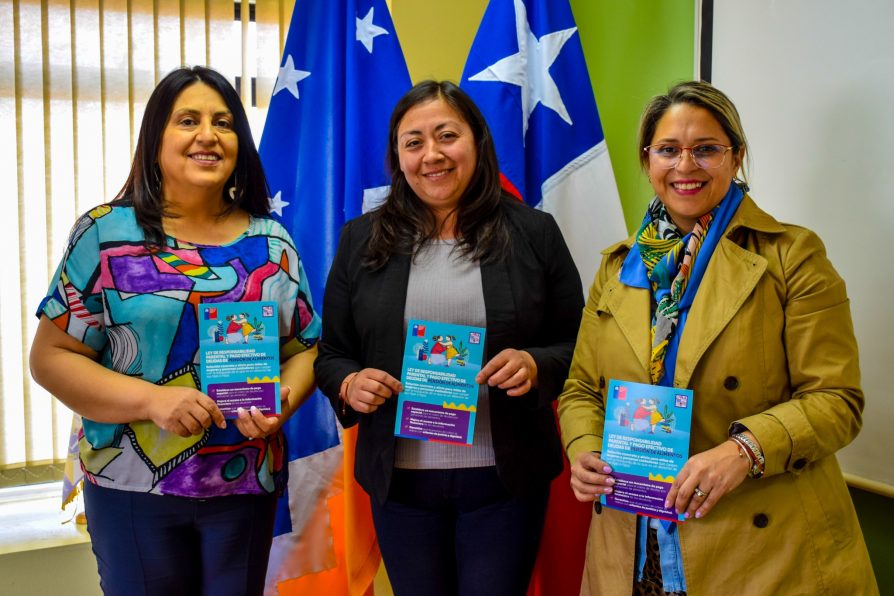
x: 403, y: 223
x: 143, y: 188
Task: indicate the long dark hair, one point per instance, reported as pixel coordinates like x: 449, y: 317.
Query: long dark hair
x: 143, y: 188
x: 404, y: 224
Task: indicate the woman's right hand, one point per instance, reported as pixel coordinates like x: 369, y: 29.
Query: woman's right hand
x: 184, y: 411
x: 590, y: 477
x: 369, y: 389
x: 70, y: 370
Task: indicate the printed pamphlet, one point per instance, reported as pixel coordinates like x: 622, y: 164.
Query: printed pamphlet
x: 440, y: 396
x: 239, y: 355
x: 646, y: 442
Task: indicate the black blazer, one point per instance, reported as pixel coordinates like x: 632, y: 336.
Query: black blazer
x: 533, y: 301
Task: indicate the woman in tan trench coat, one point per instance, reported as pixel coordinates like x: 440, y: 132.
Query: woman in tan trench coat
x: 757, y: 324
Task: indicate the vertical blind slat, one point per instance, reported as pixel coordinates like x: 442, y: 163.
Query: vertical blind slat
x: 59, y: 141
x: 143, y: 71
x: 194, y: 34
x: 169, y: 36
x: 33, y: 229
x: 11, y: 413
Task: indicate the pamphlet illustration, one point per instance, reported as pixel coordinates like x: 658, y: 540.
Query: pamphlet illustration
x: 239, y: 355
x: 440, y: 397
x: 646, y: 442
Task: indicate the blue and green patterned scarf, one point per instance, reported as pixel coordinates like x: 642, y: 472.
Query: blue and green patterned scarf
x: 674, y: 265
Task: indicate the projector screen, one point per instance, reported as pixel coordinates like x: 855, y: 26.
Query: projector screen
x: 814, y: 84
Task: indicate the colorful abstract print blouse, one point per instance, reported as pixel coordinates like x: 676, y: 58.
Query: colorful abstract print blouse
x: 138, y: 309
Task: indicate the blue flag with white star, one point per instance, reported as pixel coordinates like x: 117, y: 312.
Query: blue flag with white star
x: 323, y: 150
x: 526, y: 72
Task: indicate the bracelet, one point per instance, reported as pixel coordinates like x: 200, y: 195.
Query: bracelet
x: 343, y: 392
x: 754, y: 454
x: 742, y: 452
x: 752, y: 462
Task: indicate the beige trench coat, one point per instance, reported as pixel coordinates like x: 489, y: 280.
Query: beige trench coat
x: 768, y: 343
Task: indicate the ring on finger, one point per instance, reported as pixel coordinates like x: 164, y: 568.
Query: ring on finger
x: 699, y: 493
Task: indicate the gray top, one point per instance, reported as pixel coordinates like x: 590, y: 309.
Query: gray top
x: 445, y: 287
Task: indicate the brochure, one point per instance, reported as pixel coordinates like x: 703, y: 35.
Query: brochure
x: 646, y: 442
x: 239, y: 355
x: 440, y: 396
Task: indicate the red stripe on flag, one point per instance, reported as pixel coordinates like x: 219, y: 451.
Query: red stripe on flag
x: 563, y: 546
x: 509, y: 187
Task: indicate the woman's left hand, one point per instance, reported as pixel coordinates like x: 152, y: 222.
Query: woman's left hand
x: 706, y: 478
x: 256, y: 425
x: 512, y: 370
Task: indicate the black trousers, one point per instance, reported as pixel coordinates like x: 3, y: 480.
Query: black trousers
x: 152, y: 544
x: 458, y: 532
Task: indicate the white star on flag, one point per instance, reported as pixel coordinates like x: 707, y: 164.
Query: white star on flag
x: 529, y: 68
x: 288, y: 78
x: 277, y: 204
x: 367, y: 31
x: 373, y: 197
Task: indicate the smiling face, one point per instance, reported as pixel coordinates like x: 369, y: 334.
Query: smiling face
x: 437, y: 154
x: 198, y: 147
x: 688, y: 191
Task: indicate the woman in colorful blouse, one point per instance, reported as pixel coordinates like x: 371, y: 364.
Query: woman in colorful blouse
x: 714, y: 295
x: 179, y: 500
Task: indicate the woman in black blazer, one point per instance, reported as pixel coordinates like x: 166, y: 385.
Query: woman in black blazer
x: 449, y: 245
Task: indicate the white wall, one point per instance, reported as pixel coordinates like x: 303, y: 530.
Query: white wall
x: 814, y: 83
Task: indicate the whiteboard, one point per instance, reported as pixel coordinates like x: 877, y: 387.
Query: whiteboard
x: 814, y: 84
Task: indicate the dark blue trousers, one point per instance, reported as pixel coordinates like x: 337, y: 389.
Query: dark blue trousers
x: 458, y: 532
x: 149, y: 544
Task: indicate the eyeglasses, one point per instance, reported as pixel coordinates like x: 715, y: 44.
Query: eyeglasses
x: 707, y: 157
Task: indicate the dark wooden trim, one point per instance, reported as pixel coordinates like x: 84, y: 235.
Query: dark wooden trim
x: 707, y: 40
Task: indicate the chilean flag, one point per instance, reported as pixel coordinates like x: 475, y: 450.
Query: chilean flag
x: 323, y: 150
x: 526, y: 72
